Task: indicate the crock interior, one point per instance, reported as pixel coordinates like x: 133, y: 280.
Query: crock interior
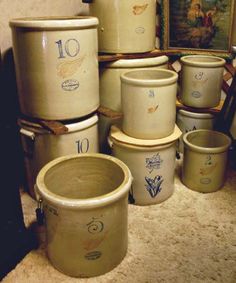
x: 85, y: 177
x: 203, y: 59
x: 207, y: 139
x: 149, y: 75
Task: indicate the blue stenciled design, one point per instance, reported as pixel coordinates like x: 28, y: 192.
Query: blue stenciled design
x: 95, y: 226
x: 196, y: 94
x: 151, y: 93
x: 140, y: 30
x: 199, y: 76
x: 193, y: 129
x: 154, y: 162
x: 153, y: 186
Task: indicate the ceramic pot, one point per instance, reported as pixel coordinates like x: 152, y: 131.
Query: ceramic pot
x: 85, y: 201
x: 189, y: 121
x: 151, y: 162
x: 56, y: 66
x: 129, y: 27
x: 41, y: 146
x: 201, y: 80
x: 205, y: 159
x: 148, y: 99
x: 109, y: 74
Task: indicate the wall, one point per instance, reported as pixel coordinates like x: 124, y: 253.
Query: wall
x: 30, y: 8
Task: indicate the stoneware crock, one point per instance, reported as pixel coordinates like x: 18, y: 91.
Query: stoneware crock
x: 205, y: 160
x: 129, y: 27
x: 85, y: 202
x: 189, y: 121
x: 56, y: 66
x: 151, y: 162
x: 109, y: 75
x: 148, y: 99
x: 201, y: 80
x: 41, y: 146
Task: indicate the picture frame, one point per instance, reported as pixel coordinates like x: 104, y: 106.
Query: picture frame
x: 197, y: 26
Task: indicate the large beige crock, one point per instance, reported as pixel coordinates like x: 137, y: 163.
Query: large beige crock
x: 148, y: 99
x: 85, y: 201
x: 125, y: 26
x: 56, y: 66
x: 205, y: 160
x: 151, y: 162
x: 109, y: 75
x: 201, y: 80
x: 41, y: 146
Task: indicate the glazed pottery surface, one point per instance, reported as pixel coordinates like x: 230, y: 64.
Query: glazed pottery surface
x: 109, y: 73
x: 148, y: 99
x: 129, y: 27
x: 201, y: 80
x: 85, y: 201
x: 205, y: 160
x: 56, y: 66
x: 151, y: 162
x: 41, y: 146
x: 190, y: 121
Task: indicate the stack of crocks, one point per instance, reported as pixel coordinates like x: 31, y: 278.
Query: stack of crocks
x: 201, y: 82
x: 129, y: 27
x: 146, y: 139
x: 110, y: 90
x: 205, y: 150
x: 56, y: 67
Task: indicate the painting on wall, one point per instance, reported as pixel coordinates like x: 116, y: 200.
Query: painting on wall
x: 197, y: 26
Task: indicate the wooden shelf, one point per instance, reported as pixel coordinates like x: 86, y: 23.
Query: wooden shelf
x: 213, y: 110
x: 104, y: 57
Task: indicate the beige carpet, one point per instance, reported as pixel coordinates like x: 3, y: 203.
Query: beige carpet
x: 191, y: 237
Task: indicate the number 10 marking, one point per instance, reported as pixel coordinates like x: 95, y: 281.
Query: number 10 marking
x: 83, y: 145
x: 70, y: 48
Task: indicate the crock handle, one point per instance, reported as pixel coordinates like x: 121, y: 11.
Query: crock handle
x: 110, y: 142
x: 27, y: 133
x: 28, y: 142
x: 39, y: 213
x: 36, y: 192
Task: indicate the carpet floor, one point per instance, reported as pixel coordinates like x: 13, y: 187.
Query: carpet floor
x: 191, y: 237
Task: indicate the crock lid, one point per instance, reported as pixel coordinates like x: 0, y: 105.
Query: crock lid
x: 118, y: 136
x: 137, y: 63
x: 60, y: 22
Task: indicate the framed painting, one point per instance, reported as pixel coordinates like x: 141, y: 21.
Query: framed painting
x: 197, y: 26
